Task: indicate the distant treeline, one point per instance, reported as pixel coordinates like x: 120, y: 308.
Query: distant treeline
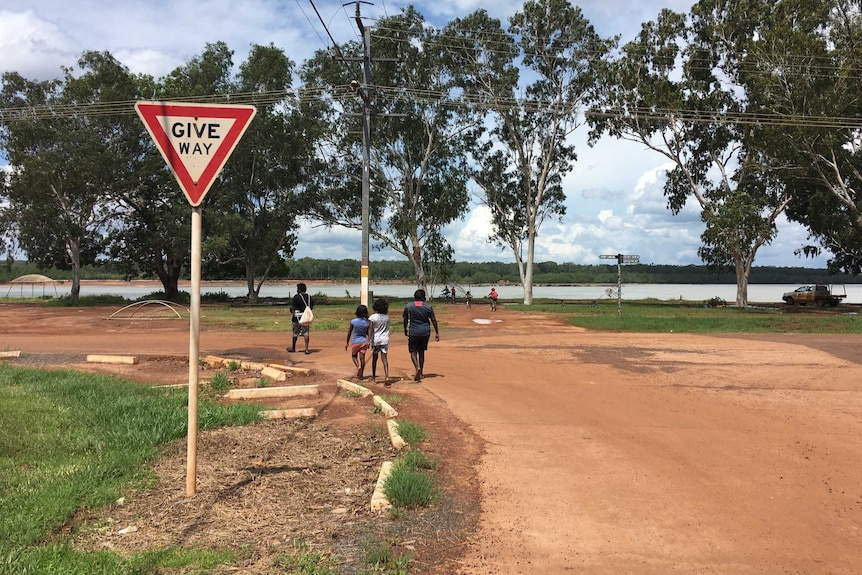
x: 487, y: 273
x: 484, y: 273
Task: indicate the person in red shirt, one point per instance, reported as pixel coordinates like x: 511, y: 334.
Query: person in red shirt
x: 493, y: 297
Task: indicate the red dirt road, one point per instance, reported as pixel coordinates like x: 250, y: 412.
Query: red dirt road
x: 607, y: 453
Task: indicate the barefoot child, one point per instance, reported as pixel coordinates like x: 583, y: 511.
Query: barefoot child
x: 358, y: 339
x: 380, y: 343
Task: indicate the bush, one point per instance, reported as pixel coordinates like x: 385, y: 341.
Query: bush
x: 87, y: 301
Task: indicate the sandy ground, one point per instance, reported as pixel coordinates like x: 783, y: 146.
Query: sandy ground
x: 602, y: 453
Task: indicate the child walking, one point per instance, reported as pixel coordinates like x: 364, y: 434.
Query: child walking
x: 358, y: 339
x: 380, y: 340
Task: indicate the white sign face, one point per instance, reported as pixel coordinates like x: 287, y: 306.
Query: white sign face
x: 195, y: 139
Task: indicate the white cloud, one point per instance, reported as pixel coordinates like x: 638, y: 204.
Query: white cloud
x: 32, y: 45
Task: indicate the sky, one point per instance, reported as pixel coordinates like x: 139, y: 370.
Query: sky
x: 615, y: 202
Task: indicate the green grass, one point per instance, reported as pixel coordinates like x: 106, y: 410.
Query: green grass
x: 412, y: 433
x: 330, y: 317
x: 637, y: 316
x: 409, y: 486
x: 303, y: 561
x: 690, y: 317
x: 411, y: 483
x: 70, y: 440
x: 384, y: 558
x: 61, y: 559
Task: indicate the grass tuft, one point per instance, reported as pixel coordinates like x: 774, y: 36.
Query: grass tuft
x: 412, y: 433
x: 383, y: 557
x: 408, y: 486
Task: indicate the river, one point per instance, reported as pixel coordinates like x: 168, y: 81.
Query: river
x: 757, y: 293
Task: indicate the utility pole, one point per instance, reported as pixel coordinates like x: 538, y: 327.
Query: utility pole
x: 362, y: 92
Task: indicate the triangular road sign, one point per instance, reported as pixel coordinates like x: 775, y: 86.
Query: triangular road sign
x: 195, y: 139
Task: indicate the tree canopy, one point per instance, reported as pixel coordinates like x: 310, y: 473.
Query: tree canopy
x: 756, y: 104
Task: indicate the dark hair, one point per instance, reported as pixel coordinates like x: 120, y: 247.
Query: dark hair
x: 362, y: 311
x: 301, y: 288
x: 419, y: 295
x: 381, y: 305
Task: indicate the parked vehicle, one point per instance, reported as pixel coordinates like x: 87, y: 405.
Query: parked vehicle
x: 818, y: 294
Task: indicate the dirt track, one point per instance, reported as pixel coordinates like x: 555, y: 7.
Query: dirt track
x: 607, y: 453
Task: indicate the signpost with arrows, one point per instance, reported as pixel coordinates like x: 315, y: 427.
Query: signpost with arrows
x: 195, y: 140
x: 621, y: 259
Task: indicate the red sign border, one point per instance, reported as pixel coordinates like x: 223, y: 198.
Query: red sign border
x: 194, y: 191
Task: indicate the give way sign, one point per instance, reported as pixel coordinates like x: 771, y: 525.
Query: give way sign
x: 195, y: 139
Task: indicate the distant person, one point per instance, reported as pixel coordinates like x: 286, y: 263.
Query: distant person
x: 297, y: 305
x: 380, y: 339
x: 468, y: 299
x: 418, y: 318
x: 445, y: 293
x: 359, y: 339
x: 453, y: 294
x: 493, y: 297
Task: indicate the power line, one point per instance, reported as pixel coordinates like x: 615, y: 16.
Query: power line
x: 393, y: 94
x: 298, y: 5
x: 334, y: 43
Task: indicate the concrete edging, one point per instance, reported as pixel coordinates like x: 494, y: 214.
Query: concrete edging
x: 287, y: 391
x: 273, y: 373
x: 395, y: 437
x: 290, y: 413
x: 121, y: 359
x: 353, y: 387
x: 379, y: 502
x: 385, y: 408
x: 302, y: 370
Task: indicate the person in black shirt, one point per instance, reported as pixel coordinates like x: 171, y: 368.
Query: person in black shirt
x: 418, y: 318
x: 297, y: 305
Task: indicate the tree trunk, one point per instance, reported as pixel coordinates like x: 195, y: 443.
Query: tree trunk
x: 249, y: 281
x: 169, y: 275
x: 418, y: 268
x: 73, y: 252
x: 527, y: 278
x: 741, y: 282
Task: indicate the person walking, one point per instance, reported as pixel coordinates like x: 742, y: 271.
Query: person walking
x: 380, y: 339
x: 453, y: 294
x: 468, y: 299
x: 493, y: 297
x: 418, y: 318
x: 297, y: 305
x: 359, y: 339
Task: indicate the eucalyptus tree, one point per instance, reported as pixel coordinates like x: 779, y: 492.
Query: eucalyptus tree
x: 549, y: 54
x: 153, y: 234
x: 676, y: 89
x: 417, y: 159
x: 254, y: 212
x: 61, y: 139
x: 7, y: 223
x: 801, y: 71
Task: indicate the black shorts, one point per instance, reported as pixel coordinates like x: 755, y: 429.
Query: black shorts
x: 417, y: 342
